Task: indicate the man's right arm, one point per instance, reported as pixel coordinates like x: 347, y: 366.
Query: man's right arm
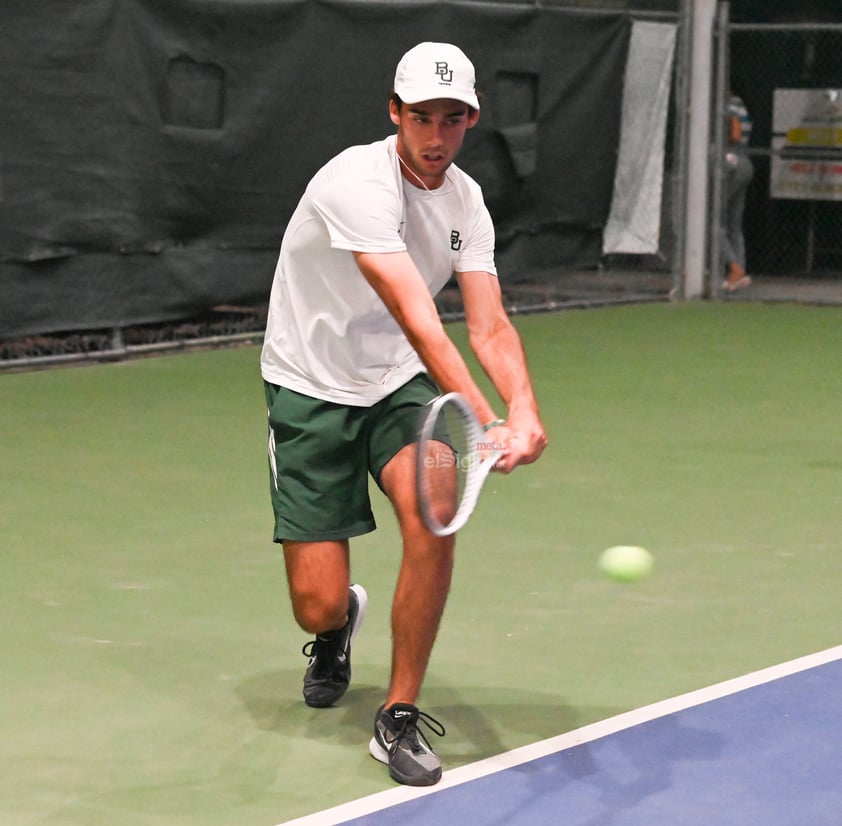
x: 396, y: 279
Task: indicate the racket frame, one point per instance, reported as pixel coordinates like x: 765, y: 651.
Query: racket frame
x: 477, y: 471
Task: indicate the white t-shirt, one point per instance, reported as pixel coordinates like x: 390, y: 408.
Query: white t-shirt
x: 328, y: 333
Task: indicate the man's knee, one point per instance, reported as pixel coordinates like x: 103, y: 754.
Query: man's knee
x: 319, y: 610
x: 318, y: 576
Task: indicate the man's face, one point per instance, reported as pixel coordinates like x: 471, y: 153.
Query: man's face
x: 430, y: 135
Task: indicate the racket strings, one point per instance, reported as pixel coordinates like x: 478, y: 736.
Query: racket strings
x: 450, y: 454
x: 453, y: 462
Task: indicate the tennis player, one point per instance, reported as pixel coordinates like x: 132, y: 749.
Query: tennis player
x: 354, y: 349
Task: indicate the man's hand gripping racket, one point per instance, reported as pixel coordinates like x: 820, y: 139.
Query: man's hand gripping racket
x: 454, y: 459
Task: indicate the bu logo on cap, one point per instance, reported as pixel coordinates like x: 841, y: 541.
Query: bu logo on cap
x: 430, y: 71
x: 443, y: 71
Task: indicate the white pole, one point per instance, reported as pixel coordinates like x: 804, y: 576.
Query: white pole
x: 698, y: 161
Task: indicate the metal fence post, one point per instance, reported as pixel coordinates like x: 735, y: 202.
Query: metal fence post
x: 680, y: 144
x: 718, y: 168
x: 698, y: 159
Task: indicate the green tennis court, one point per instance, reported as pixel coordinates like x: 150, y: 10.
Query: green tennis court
x: 150, y: 665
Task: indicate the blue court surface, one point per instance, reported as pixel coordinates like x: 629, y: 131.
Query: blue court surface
x: 759, y: 750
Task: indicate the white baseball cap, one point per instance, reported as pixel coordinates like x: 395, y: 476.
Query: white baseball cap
x: 436, y: 70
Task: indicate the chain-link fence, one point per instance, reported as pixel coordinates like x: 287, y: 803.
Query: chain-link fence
x: 789, y: 77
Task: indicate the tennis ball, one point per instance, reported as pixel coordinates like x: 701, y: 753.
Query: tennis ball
x: 625, y: 563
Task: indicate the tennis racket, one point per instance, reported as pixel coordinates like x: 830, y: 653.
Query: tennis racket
x: 453, y: 461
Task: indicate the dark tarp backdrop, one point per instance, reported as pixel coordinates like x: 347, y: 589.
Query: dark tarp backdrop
x: 152, y: 151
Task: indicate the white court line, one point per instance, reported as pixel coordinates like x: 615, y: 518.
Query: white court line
x: 586, y: 734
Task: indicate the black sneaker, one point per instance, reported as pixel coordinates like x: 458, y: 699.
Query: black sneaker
x: 398, y: 743
x: 329, y: 670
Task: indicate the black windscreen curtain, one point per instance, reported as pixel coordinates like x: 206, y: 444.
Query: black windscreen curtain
x: 152, y: 151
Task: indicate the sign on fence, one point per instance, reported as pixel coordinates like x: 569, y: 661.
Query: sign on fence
x: 807, y: 144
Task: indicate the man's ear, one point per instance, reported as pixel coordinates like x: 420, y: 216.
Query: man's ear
x: 394, y: 114
x: 473, y: 117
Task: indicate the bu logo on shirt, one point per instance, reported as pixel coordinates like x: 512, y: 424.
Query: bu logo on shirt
x: 455, y: 240
x: 443, y: 72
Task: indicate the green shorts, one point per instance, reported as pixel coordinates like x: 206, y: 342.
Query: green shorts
x: 321, y: 453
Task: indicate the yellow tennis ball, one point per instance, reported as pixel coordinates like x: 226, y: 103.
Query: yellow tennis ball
x: 625, y: 563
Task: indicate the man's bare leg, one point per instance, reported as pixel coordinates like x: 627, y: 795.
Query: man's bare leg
x: 420, y: 596
x: 423, y: 583
x: 319, y: 575
x: 325, y: 605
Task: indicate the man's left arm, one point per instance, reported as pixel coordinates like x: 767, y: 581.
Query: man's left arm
x: 500, y: 353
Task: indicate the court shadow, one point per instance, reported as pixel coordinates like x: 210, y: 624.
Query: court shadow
x: 485, y: 721
x: 275, y: 703
x: 604, y: 782
x: 480, y: 721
